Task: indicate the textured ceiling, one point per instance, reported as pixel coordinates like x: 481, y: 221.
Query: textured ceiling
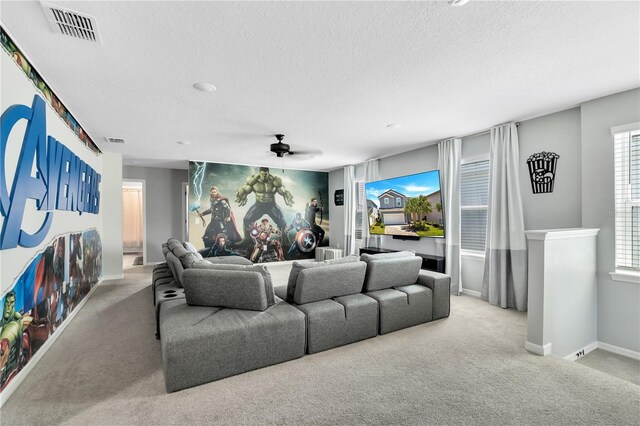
x: 330, y: 76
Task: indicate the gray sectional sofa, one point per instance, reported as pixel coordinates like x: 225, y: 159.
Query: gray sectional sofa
x: 223, y: 319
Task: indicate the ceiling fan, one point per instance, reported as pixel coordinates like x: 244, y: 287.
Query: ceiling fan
x: 279, y: 148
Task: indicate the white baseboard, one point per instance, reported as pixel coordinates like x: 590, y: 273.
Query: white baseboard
x: 17, y: 380
x: 112, y: 277
x: 618, y: 350
x: 472, y: 293
x: 537, y: 349
x: 579, y: 353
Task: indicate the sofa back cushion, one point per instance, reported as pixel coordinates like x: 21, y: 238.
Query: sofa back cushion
x: 391, y: 271
x: 299, y: 266
x: 176, y: 267
x: 229, y: 260
x: 192, y: 249
x: 391, y: 255
x: 226, y: 288
x: 261, y: 269
x: 326, y: 282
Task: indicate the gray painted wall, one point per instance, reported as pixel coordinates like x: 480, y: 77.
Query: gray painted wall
x: 583, y: 194
x: 111, y: 206
x: 618, y: 302
x: 336, y: 213
x: 163, y: 215
x: 559, y: 133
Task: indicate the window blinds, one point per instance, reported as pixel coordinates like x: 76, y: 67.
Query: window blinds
x: 627, y: 200
x: 474, y: 195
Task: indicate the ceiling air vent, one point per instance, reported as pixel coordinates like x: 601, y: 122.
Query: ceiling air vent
x: 71, y: 23
x: 115, y: 140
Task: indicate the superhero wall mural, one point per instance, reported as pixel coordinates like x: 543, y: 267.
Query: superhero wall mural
x: 262, y: 214
x: 48, y: 290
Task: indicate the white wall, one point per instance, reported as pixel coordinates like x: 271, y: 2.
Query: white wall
x: 17, y: 89
x: 54, y: 288
x: 163, y: 215
x: 618, y: 302
x: 112, y: 215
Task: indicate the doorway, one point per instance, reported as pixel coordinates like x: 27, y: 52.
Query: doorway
x: 134, y: 234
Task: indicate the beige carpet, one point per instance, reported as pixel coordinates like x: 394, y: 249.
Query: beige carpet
x: 470, y: 368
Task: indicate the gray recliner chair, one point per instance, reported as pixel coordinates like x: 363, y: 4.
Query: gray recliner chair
x: 329, y: 294
x: 406, y: 295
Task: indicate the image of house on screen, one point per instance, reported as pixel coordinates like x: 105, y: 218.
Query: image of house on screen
x: 406, y: 205
x: 390, y: 209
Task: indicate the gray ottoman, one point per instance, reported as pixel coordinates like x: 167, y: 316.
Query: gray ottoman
x: 201, y: 344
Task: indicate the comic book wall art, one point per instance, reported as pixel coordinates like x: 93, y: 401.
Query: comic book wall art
x: 262, y: 214
x: 42, y: 297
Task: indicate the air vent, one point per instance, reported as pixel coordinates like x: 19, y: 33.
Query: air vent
x: 115, y: 140
x: 71, y: 23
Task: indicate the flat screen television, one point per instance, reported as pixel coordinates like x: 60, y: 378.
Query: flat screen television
x: 406, y: 207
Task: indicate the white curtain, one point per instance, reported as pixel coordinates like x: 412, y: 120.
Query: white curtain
x: 132, y: 219
x: 371, y: 174
x: 349, y: 210
x: 449, y: 166
x: 505, y: 265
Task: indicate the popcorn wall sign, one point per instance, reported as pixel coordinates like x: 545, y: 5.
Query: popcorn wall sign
x: 542, y: 170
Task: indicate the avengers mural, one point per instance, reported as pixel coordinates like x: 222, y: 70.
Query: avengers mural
x: 258, y: 213
x: 42, y: 297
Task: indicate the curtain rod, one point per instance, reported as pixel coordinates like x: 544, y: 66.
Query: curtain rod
x: 482, y: 132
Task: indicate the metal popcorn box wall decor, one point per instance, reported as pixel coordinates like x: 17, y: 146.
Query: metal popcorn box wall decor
x: 542, y: 170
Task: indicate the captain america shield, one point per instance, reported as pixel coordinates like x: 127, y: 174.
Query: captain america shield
x: 305, y: 240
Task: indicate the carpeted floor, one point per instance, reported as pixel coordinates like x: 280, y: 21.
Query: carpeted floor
x: 471, y: 368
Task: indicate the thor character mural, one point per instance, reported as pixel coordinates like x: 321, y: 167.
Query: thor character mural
x: 261, y: 196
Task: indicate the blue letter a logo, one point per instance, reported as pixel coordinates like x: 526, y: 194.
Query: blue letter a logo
x: 25, y: 185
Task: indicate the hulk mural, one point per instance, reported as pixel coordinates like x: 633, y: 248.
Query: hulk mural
x: 251, y: 211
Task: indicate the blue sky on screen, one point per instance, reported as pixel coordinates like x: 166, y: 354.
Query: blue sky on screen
x: 411, y: 186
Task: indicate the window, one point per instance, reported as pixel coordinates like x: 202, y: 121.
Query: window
x: 398, y: 202
x: 386, y: 201
x: 627, y: 199
x: 474, y: 196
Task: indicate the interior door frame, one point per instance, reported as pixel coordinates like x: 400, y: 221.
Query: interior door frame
x: 144, y: 216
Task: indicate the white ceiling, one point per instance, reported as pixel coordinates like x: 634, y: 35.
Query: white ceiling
x: 330, y: 76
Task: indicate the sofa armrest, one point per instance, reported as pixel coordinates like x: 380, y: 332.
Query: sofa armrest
x: 440, y: 285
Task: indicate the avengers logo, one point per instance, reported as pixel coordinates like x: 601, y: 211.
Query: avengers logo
x: 62, y: 180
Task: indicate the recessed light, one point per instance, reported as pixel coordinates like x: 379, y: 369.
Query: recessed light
x: 184, y: 142
x: 205, y: 87
x: 458, y: 2
x: 394, y: 125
